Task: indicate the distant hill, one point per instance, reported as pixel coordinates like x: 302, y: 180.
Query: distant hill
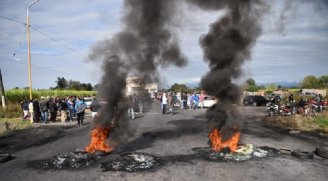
x: 282, y: 83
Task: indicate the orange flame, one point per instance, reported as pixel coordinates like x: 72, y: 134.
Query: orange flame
x: 218, y: 144
x: 98, y: 138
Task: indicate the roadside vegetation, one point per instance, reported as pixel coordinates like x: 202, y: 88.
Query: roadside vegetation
x: 18, y: 95
x: 12, y: 110
x: 318, y: 124
x: 11, y: 124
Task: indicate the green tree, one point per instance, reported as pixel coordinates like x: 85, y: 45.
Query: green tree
x: 178, y: 88
x: 310, y: 82
x: 253, y: 88
x: 87, y: 87
x: 250, y: 82
x: 270, y: 88
x: 323, y: 81
x: 74, y: 85
x: 61, y: 83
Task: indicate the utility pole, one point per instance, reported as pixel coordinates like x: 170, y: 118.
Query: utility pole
x: 2, y: 91
x: 29, y: 48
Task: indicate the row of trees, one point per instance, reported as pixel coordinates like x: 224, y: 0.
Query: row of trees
x: 62, y: 84
x: 309, y: 82
x: 312, y: 81
x: 181, y: 88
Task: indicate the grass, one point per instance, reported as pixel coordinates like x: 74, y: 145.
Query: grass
x: 322, y: 121
x: 13, y: 110
x: 302, y: 123
x: 10, y: 124
x: 18, y: 95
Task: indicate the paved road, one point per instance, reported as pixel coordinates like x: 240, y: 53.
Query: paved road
x: 168, y: 136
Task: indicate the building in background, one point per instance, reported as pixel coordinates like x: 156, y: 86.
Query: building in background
x: 136, y: 85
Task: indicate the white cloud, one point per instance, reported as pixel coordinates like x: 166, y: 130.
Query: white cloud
x: 80, y: 23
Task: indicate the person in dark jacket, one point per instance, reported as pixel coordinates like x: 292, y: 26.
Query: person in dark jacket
x: 80, y: 108
x: 52, y: 109
x: 63, y: 110
x: 24, y: 106
x: 36, y: 109
x: 44, y: 109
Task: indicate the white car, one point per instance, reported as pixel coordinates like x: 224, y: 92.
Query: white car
x: 87, y: 101
x: 209, y: 101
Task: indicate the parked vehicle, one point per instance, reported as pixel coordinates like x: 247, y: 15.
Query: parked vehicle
x: 286, y: 110
x: 324, y: 104
x: 255, y: 101
x: 280, y: 110
x: 209, y: 101
x: 87, y: 101
x: 273, y: 109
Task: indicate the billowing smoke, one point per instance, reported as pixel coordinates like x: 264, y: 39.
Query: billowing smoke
x: 146, y: 42
x: 226, y: 46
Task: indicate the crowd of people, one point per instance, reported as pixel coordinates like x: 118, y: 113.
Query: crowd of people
x: 48, y: 109
x: 136, y: 103
x: 169, y: 101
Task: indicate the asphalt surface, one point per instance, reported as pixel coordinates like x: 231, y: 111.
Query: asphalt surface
x: 166, y: 136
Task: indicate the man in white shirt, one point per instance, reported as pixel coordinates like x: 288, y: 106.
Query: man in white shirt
x: 164, y: 102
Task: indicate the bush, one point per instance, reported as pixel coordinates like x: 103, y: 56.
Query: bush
x: 7, y: 125
x: 13, y: 110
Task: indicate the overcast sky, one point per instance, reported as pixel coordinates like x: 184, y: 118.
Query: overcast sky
x: 284, y: 52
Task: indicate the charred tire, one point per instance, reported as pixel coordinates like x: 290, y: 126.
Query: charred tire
x: 322, y: 151
x: 5, y: 158
x: 302, y: 154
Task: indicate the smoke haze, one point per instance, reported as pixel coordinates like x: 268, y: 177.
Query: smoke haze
x: 145, y: 43
x: 226, y: 47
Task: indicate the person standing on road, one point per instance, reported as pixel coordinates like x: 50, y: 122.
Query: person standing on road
x: 24, y: 106
x: 191, y: 101
x: 94, y: 107
x: 44, y: 109
x: 184, y: 99
x: 52, y: 110
x: 164, y: 103
x: 169, y: 101
x: 70, y: 106
x: 201, y: 99
x: 195, y: 100
x: 30, y: 109
x: 80, y: 108
x: 36, y: 111
x: 131, y: 105
x: 63, y: 111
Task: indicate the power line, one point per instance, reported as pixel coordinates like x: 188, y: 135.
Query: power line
x: 62, y: 44
x: 44, y: 34
x: 34, y: 66
x: 9, y: 19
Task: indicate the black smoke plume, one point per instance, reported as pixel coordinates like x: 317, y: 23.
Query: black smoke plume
x: 146, y: 42
x: 226, y: 47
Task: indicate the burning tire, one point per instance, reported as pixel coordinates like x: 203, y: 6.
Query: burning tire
x: 131, y: 162
x: 302, y: 154
x: 322, y: 151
